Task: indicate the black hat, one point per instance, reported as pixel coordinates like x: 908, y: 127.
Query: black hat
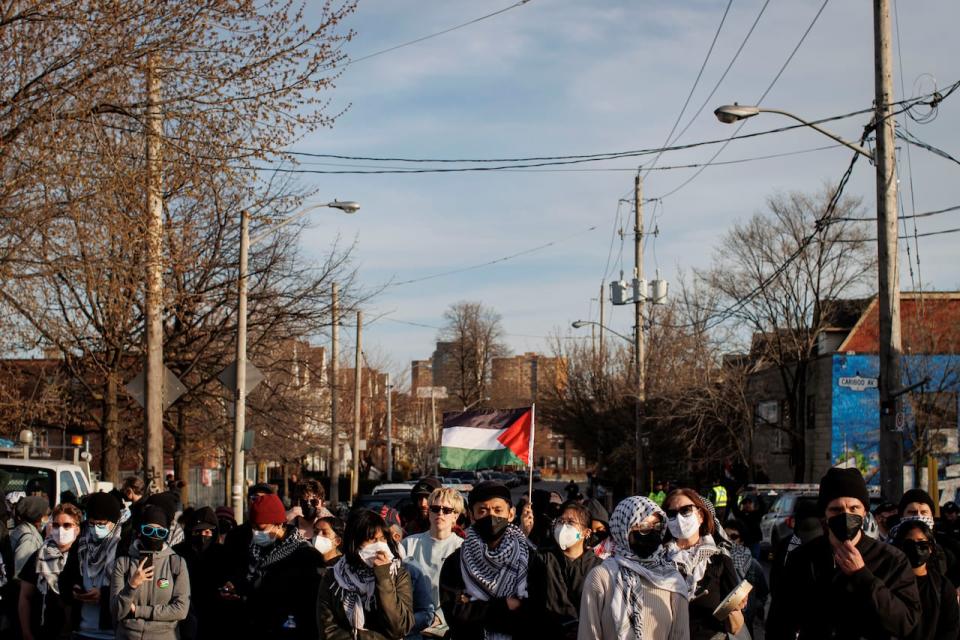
x: 915, y: 495
x: 883, y: 507
x: 153, y: 514
x: 425, y: 486
x: 103, y: 506
x: 31, y: 508
x: 842, y: 483
x: 950, y: 507
x: 167, y: 501
x: 261, y: 487
x: 489, y: 489
x: 597, y: 511
x: 204, y: 518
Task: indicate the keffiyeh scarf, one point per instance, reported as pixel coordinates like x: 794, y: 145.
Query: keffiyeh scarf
x: 50, y: 562
x: 927, y: 520
x: 356, y: 589
x: 693, y: 562
x: 495, y: 573
x: 627, y: 600
x: 96, y: 556
x: 261, y: 558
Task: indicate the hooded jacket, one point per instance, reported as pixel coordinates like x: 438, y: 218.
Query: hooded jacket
x: 555, y: 585
x: 161, y: 603
x: 816, y: 599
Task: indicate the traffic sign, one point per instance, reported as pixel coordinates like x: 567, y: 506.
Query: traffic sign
x: 172, y: 389
x: 228, y: 377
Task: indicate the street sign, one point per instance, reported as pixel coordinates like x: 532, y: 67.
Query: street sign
x: 228, y: 377
x: 438, y: 393
x: 248, y: 440
x: 172, y: 389
x: 858, y: 383
x: 901, y: 420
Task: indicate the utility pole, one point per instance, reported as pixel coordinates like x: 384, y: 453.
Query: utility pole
x: 891, y: 443
x: 334, y: 466
x: 602, y: 324
x: 357, y: 380
x: 153, y: 300
x: 389, y: 430
x: 638, y: 346
x: 240, y: 395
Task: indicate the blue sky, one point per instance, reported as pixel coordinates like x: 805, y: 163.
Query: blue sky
x: 559, y: 77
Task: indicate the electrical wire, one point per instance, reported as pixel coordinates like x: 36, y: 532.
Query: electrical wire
x: 925, y: 214
x: 434, y: 35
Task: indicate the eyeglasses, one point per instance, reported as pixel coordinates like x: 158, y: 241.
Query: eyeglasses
x: 154, y: 532
x: 685, y: 510
x: 65, y: 525
x: 570, y: 521
x: 649, y: 527
x: 435, y: 508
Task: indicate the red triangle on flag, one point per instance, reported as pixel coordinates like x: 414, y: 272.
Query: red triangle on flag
x: 516, y: 437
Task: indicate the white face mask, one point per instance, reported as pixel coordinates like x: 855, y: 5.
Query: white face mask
x: 262, y: 538
x: 683, y: 527
x: 369, y: 552
x: 566, y: 536
x: 63, y: 535
x: 323, y: 544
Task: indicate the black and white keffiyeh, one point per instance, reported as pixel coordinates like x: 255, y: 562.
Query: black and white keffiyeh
x: 495, y: 573
x: 50, y: 563
x: 627, y: 600
x: 356, y: 588
x: 261, y: 558
x: 927, y: 520
x: 96, y: 556
x: 693, y: 562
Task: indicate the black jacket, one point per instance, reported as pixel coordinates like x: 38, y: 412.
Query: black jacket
x: 817, y: 600
x: 940, y: 619
x: 391, y: 619
x: 287, y: 588
x: 207, y: 571
x: 719, y: 579
x: 468, y: 618
x: 555, y: 585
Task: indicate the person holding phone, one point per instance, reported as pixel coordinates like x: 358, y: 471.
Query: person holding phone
x: 150, y: 590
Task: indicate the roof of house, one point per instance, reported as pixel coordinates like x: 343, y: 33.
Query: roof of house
x: 930, y: 323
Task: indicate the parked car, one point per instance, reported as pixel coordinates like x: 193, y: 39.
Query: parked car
x: 465, y: 477
x: 374, y: 502
x: 777, y: 524
x: 392, y: 487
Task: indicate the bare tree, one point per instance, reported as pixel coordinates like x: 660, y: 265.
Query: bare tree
x: 475, y: 337
x: 782, y: 275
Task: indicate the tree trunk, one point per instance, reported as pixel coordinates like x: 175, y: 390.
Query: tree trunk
x: 181, y: 455
x: 110, y: 441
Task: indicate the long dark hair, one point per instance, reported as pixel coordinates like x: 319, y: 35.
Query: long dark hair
x: 363, y: 525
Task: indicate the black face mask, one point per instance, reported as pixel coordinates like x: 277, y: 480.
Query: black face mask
x: 918, y: 553
x: 151, y: 544
x: 490, y: 528
x: 845, y: 526
x: 644, y: 544
x: 309, y: 511
x: 201, y: 543
x: 224, y: 526
x: 597, y: 537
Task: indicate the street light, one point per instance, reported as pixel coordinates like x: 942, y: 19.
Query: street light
x: 239, y: 418
x: 579, y: 324
x: 888, y: 289
x: 730, y: 113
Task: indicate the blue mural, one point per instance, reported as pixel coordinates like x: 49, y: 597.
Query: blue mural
x: 856, y: 404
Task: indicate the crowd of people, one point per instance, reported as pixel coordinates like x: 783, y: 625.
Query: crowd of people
x: 670, y: 566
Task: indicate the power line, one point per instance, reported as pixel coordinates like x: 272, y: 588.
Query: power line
x: 925, y: 214
x: 434, y: 35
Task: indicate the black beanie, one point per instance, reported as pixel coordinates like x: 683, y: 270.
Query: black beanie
x: 152, y: 514
x: 489, y: 489
x: 103, y: 506
x: 204, y: 518
x: 167, y: 501
x: 842, y: 483
x: 915, y: 495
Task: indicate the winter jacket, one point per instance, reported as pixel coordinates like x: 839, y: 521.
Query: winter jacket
x: 207, y: 573
x: 25, y: 540
x: 467, y: 618
x: 555, y: 585
x: 161, y: 603
x: 813, y: 597
x: 391, y: 619
x: 287, y: 589
x: 940, y: 617
x: 719, y: 579
x: 70, y: 577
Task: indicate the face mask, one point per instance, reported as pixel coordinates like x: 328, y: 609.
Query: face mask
x: 644, y: 544
x: 369, y: 552
x: 224, y: 526
x: 262, y: 538
x: 323, y: 544
x: 845, y: 526
x: 151, y: 544
x: 683, y: 527
x: 201, y: 543
x: 490, y: 528
x: 597, y: 538
x: 101, y: 531
x: 566, y: 536
x: 63, y: 535
x: 309, y: 511
x: 918, y: 553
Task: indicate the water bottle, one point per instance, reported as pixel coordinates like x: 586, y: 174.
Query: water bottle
x: 290, y: 624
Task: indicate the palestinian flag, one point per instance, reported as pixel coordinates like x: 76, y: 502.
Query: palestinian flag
x: 486, y: 438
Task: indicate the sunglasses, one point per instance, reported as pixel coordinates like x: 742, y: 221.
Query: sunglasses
x: 154, y: 532
x: 683, y: 511
x: 733, y: 535
x: 435, y: 508
x: 649, y: 528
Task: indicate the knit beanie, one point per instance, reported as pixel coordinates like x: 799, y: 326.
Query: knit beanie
x: 103, y: 506
x: 267, y: 509
x: 915, y: 495
x: 842, y: 483
x: 31, y: 508
x: 152, y: 514
x: 167, y: 501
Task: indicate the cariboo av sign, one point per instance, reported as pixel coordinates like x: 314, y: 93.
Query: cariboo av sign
x: 858, y: 383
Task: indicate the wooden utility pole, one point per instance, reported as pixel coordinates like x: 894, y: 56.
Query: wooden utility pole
x: 601, y: 327
x: 153, y: 300
x: 334, y: 466
x: 891, y: 443
x: 357, y: 381
x: 389, y: 429
x: 240, y: 392
x: 638, y: 345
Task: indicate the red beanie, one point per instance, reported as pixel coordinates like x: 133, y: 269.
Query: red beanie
x: 267, y: 509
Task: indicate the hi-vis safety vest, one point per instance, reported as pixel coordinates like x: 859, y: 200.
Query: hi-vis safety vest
x: 719, y: 496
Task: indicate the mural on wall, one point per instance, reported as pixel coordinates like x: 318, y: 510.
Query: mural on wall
x: 855, y: 434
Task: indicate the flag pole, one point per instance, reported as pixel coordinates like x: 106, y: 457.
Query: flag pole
x: 533, y: 430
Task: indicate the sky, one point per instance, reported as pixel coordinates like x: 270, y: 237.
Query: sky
x: 565, y: 77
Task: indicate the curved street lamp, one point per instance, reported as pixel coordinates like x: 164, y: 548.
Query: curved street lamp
x: 579, y: 324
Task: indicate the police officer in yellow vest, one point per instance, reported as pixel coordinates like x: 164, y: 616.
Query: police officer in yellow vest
x: 658, y: 495
x: 718, y: 496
